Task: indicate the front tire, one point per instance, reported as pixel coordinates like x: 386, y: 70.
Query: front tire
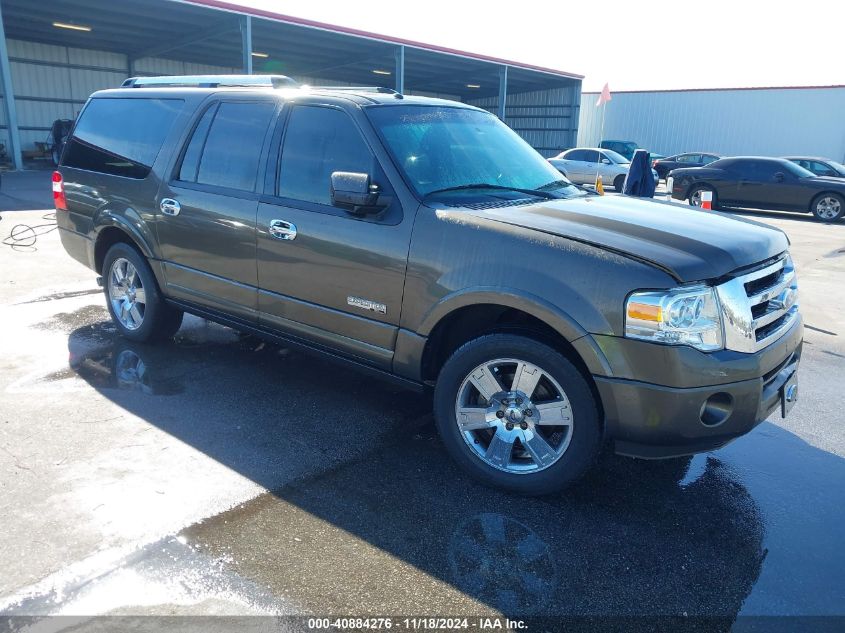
x: 828, y: 207
x: 133, y: 299
x: 619, y: 183
x: 516, y: 414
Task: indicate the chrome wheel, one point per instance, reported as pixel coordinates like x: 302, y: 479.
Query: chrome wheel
x: 695, y: 198
x: 828, y: 208
x: 514, y: 416
x: 126, y: 293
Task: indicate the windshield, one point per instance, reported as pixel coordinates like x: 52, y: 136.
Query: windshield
x: 797, y: 170
x: 615, y: 157
x: 443, y: 148
x: 838, y: 167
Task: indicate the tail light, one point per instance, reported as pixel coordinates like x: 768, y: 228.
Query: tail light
x: 59, y: 200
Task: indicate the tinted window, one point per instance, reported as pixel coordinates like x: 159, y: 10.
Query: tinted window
x: 706, y: 159
x: 121, y: 136
x: 575, y: 154
x: 319, y: 141
x: 233, y: 147
x: 615, y: 157
x: 820, y: 168
x: 191, y: 160
x: 689, y: 158
x: 591, y: 156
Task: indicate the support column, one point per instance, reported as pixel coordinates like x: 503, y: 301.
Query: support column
x: 9, y: 101
x: 400, y: 69
x: 503, y: 91
x: 246, y: 43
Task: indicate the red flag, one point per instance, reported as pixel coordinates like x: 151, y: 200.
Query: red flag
x: 604, y: 97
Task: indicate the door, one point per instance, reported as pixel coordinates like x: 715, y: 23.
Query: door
x: 325, y: 274
x: 206, y: 215
x: 607, y: 168
x: 590, y: 167
x: 575, y: 165
x: 745, y: 188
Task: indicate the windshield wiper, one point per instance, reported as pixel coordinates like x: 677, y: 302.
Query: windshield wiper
x: 563, y: 183
x: 481, y: 185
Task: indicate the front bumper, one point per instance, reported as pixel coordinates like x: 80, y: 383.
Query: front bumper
x: 645, y: 419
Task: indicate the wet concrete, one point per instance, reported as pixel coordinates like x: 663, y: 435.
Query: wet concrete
x: 220, y: 474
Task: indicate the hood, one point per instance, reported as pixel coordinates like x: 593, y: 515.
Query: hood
x: 688, y: 244
x: 834, y: 180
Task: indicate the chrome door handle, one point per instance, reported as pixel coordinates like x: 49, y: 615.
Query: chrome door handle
x: 169, y: 206
x: 282, y: 230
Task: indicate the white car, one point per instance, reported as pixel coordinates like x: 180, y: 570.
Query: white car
x: 581, y: 165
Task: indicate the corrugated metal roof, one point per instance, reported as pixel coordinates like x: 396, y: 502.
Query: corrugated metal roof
x: 278, y: 17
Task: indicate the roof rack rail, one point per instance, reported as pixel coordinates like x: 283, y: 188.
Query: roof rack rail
x: 211, y: 81
x: 381, y: 89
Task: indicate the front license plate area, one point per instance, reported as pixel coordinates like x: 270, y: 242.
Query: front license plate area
x: 789, y: 394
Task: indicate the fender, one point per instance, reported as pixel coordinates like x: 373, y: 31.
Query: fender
x: 131, y: 222
x: 532, y: 304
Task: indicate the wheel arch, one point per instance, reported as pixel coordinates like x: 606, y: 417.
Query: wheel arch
x: 113, y: 228
x: 476, y: 314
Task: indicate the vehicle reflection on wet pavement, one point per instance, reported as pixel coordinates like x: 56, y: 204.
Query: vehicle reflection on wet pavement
x: 378, y: 520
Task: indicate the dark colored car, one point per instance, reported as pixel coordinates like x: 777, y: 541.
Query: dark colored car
x: 761, y: 183
x: 691, y: 159
x: 819, y: 166
x: 424, y: 241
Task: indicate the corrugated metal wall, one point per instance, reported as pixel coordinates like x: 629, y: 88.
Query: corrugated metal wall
x: 53, y: 82
x: 767, y: 122
x: 547, y: 119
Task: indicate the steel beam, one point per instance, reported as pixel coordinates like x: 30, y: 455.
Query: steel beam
x: 9, y: 101
x: 503, y: 91
x: 400, y: 69
x: 246, y: 43
x: 173, y: 45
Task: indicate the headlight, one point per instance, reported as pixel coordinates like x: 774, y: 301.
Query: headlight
x: 683, y: 316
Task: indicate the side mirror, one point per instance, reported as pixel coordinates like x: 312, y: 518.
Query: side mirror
x: 605, y: 161
x: 353, y: 192
x: 780, y: 177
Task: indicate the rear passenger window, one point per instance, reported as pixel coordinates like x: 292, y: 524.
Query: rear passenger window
x: 319, y: 141
x: 231, y: 147
x: 191, y: 160
x: 121, y: 137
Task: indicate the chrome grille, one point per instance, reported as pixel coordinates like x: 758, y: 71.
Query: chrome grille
x: 759, y: 306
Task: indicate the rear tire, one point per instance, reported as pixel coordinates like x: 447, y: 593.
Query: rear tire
x: 695, y: 196
x: 828, y: 207
x: 534, y: 456
x: 619, y: 183
x: 133, y: 298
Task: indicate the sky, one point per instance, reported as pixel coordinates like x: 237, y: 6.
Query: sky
x: 630, y: 45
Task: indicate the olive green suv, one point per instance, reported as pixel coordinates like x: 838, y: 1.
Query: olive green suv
x: 423, y: 240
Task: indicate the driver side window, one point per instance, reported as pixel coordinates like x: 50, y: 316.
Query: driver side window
x: 319, y: 141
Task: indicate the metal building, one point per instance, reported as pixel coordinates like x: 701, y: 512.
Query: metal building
x: 745, y: 121
x: 54, y: 54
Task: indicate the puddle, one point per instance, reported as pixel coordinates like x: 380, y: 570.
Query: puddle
x: 63, y: 295
x: 69, y: 321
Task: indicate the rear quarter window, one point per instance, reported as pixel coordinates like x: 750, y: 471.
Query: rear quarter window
x: 121, y: 137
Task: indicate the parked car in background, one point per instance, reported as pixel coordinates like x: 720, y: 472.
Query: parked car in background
x: 691, y: 159
x: 624, y: 148
x: 581, y: 165
x: 761, y: 183
x: 819, y: 166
